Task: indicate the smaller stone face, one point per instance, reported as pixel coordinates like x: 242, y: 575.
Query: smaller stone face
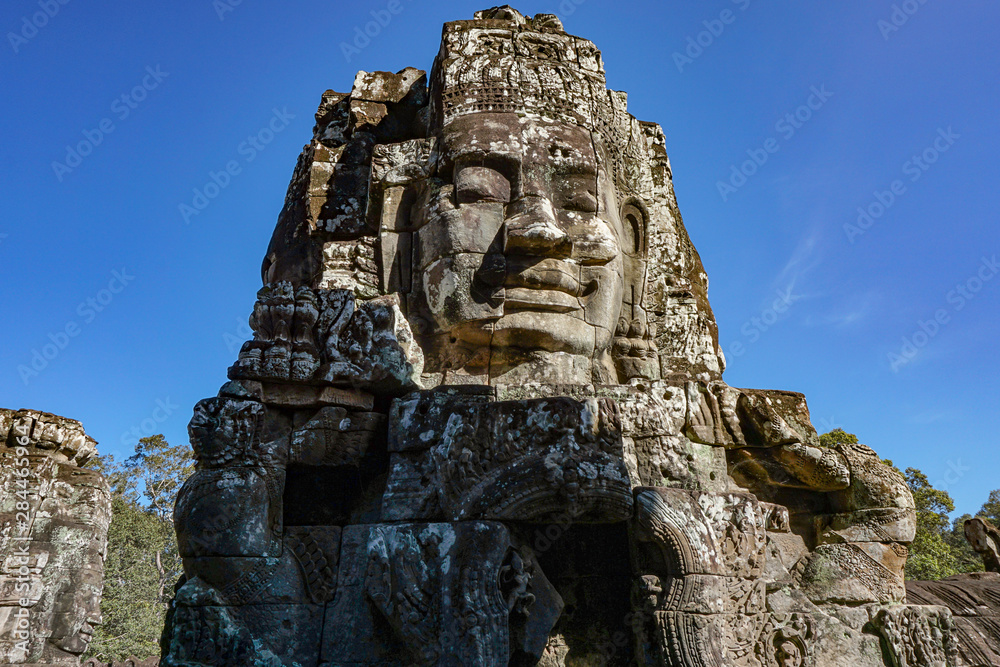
x: 54, y: 518
x: 984, y: 538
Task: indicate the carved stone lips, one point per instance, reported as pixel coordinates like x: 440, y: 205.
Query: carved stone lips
x: 542, y: 284
x: 537, y: 299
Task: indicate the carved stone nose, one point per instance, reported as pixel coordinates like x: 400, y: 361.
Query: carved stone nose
x: 531, y: 229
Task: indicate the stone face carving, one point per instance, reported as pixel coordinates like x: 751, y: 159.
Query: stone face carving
x: 54, y: 518
x: 985, y: 539
x: 483, y: 422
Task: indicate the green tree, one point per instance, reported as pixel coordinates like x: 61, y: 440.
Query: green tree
x: 939, y: 548
x: 142, y: 562
x: 162, y: 470
x: 836, y: 437
x: 932, y: 555
x: 991, y: 508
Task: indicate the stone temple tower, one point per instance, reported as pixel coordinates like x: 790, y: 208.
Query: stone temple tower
x: 54, y: 518
x: 482, y: 420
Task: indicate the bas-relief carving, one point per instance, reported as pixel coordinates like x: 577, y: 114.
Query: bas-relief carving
x: 530, y: 461
x: 53, y: 539
x: 482, y: 420
x: 963, y: 612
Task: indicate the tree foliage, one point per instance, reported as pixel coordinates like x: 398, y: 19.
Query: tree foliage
x: 162, y: 470
x: 940, y: 549
x: 142, y: 562
x: 931, y: 555
x: 836, y: 437
x: 991, y: 508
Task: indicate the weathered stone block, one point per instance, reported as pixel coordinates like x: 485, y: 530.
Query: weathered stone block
x: 854, y: 573
x: 516, y: 460
x: 335, y: 436
x: 419, y: 594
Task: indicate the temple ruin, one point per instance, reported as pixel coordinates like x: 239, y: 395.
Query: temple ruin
x: 54, y: 517
x: 483, y: 420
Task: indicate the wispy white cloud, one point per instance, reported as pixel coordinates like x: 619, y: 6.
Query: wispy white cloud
x: 926, y: 418
x: 853, y: 312
x: 804, y: 258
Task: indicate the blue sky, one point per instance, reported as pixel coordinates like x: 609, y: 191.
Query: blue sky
x: 803, y: 302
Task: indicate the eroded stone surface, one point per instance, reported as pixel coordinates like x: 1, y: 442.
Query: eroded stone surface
x: 483, y: 422
x: 54, y: 518
x: 533, y: 460
x: 971, y: 606
x: 985, y: 539
x: 128, y: 662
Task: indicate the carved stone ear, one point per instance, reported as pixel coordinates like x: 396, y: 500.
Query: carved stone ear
x: 635, y: 225
x: 634, y: 348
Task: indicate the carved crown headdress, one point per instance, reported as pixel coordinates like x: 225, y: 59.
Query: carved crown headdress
x: 504, y: 62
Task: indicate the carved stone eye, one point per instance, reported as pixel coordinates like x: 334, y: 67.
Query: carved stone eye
x: 582, y: 201
x: 577, y: 193
x: 481, y: 184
